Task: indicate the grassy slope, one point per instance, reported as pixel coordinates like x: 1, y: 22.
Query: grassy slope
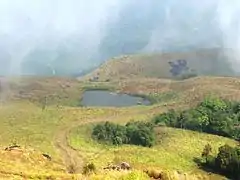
x: 57, y: 90
x: 28, y: 164
x: 175, y: 150
x: 30, y: 127
x: 187, y: 91
x: 26, y: 124
x: 203, y: 62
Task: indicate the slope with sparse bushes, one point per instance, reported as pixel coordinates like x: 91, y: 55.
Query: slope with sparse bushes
x: 26, y: 123
x: 164, y: 65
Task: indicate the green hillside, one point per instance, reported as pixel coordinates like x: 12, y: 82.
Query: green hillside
x: 62, y: 129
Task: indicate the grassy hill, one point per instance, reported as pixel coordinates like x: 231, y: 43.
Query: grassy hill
x: 28, y: 163
x: 62, y: 129
x: 199, y: 62
x: 175, y: 150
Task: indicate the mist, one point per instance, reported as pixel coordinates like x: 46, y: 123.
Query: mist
x: 65, y: 37
x: 228, y: 15
x: 42, y: 32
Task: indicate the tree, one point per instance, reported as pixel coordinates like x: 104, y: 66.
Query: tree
x: 212, y: 115
x: 226, y: 162
x: 214, y: 104
x: 169, y: 118
x: 140, y: 133
x: 134, y: 132
x: 223, y: 158
x: 99, y: 132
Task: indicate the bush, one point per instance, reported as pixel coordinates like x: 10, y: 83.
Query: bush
x: 71, y: 169
x: 89, y: 168
x: 140, y: 134
x: 213, y: 115
x: 187, y: 76
x: 207, y: 151
x: 137, y: 133
x: 226, y: 162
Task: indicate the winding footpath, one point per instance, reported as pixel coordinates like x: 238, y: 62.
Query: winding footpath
x: 73, y: 162
x: 72, y: 159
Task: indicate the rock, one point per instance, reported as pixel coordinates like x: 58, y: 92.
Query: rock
x: 114, y: 167
x: 12, y: 147
x: 118, y: 168
x: 125, y: 165
x: 47, y: 156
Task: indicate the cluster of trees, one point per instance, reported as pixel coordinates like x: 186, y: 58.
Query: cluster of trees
x: 213, y: 115
x: 134, y: 132
x: 226, y: 162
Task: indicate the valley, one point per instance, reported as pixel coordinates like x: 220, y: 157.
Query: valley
x: 119, y: 90
x: 61, y: 126
x: 56, y: 115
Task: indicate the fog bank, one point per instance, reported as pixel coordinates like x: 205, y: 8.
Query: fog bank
x: 64, y: 37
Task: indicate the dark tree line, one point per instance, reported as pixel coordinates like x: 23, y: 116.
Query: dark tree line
x: 134, y: 132
x: 213, y: 115
x: 226, y: 162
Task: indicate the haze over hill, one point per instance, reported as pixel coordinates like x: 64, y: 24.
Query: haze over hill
x: 66, y: 37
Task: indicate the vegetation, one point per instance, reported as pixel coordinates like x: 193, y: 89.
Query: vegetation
x: 137, y: 133
x: 227, y: 161
x: 24, y: 123
x: 42, y: 91
x: 157, y: 65
x: 155, y: 98
x: 213, y: 115
x: 174, y: 149
x: 89, y: 168
x: 98, y: 86
x: 187, y: 76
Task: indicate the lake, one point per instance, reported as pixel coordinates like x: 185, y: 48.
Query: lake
x: 107, y: 98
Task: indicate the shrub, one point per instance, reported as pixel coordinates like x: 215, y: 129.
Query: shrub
x: 71, y: 169
x: 226, y: 162
x: 187, y: 76
x: 137, y: 133
x: 89, y: 168
x: 212, y: 115
x: 207, y: 151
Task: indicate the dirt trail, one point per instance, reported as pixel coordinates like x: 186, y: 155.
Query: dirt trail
x: 72, y: 159
x: 70, y: 156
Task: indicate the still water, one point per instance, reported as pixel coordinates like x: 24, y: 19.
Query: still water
x: 107, y: 98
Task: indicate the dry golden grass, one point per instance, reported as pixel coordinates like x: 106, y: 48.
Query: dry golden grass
x: 29, y: 164
x: 63, y: 91
x: 157, y: 66
x: 26, y: 124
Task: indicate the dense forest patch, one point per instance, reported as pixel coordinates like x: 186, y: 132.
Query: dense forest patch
x: 137, y: 133
x: 213, y: 115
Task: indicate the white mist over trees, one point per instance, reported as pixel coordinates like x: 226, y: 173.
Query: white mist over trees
x: 64, y: 37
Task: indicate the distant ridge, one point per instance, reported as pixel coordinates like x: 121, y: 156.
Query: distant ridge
x: 210, y: 62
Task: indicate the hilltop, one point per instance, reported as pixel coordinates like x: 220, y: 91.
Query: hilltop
x: 164, y: 65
